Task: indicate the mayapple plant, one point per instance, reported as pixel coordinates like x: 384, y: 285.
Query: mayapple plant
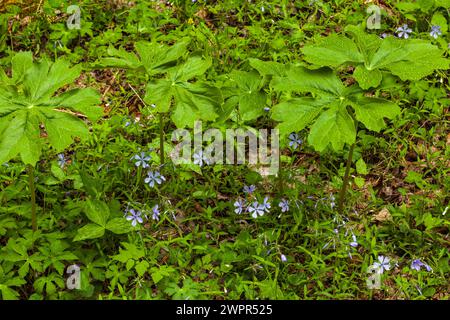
x: 188, y: 101
x: 409, y: 59
x: 332, y: 110
x: 244, y: 93
x: 333, y: 123
x: 32, y: 113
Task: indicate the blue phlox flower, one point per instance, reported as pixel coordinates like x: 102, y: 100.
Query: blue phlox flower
x: 295, y: 140
x: 239, y: 206
x: 200, y: 159
x: 266, y: 204
x: 61, y: 160
x: 249, y: 189
x: 135, y: 217
x: 332, y: 201
x: 416, y: 264
x: 142, y: 160
x: 154, y: 177
x: 354, y: 243
x: 435, y: 31
x: 284, y: 205
x: 403, y: 31
x: 382, y: 264
x: 256, y: 209
x: 155, y: 213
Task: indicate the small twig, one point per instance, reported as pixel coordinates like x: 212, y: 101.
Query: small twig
x: 345, y: 182
x: 137, y: 95
x: 109, y: 87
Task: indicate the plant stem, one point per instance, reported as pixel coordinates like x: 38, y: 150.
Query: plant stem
x: 345, y: 182
x: 280, y: 175
x: 161, y: 138
x: 33, y: 196
x: 138, y: 177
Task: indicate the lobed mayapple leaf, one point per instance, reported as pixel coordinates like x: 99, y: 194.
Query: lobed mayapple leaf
x: 334, y: 126
x: 28, y: 101
x: 333, y: 51
x: 152, y: 57
x: 326, y: 112
x: 268, y: 68
x: 191, y: 100
x: 251, y: 99
x: 409, y: 59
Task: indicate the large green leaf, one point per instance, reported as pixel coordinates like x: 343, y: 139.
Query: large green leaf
x: 159, y: 93
x: 372, y: 111
x: 121, y: 58
x: 193, y: 67
x: 334, y: 127
x: 367, y: 78
x: 251, y: 99
x: 266, y: 68
x: 191, y: 100
x: 389, y: 51
x: 89, y: 231
x: 409, y: 59
x: 83, y: 101
x: 296, y: 114
x: 97, y: 211
x: 156, y: 57
x: 119, y: 225
x: 44, y: 78
x: 194, y: 102
x: 62, y: 128
x: 422, y: 59
x: 21, y: 62
x: 367, y: 43
x: 332, y: 51
x: 8, y: 293
x: 29, y: 101
x: 151, y: 56
x: 322, y: 82
x: 21, y: 135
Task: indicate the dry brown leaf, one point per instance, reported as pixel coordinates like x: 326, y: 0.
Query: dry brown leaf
x: 202, y: 13
x: 383, y: 215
